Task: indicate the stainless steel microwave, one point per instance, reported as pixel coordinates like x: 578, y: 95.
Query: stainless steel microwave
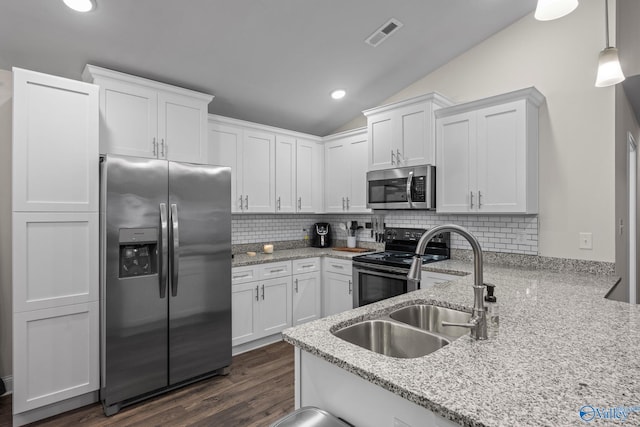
x: 412, y: 187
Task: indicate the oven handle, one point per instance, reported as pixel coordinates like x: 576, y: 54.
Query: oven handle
x: 409, y: 185
x: 379, y: 272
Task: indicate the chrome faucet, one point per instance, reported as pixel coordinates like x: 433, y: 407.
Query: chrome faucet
x: 478, y: 322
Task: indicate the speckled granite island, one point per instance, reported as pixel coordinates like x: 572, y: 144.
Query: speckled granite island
x: 561, y: 346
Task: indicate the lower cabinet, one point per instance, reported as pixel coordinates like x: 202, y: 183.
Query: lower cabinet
x: 307, y: 295
x: 55, y: 354
x: 260, y: 309
x: 337, y: 289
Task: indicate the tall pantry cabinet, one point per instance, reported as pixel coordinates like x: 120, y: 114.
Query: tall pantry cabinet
x: 55, y: 244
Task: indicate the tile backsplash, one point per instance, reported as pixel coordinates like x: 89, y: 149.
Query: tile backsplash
x: 496, y: 233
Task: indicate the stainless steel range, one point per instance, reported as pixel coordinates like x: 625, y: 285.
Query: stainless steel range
x: 381, y: 275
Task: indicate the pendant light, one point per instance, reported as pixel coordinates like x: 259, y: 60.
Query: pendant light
x: 609, y: 70
x: 547, y: 10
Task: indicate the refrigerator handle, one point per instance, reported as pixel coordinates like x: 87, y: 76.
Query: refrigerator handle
x: 164, y: 241
x: 175, y: 252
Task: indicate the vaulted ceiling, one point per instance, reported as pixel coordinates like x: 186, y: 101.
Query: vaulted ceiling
x: 272, y: 62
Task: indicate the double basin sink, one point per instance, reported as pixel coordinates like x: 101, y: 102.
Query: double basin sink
x: 408, y: 332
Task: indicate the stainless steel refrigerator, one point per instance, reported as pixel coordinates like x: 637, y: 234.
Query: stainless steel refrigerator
x: 165, y: 276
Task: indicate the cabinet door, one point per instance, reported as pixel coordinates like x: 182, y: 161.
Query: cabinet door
x: 413, y: 130
x: 456, y: 151
x: 337, y: 175
x: 55, y: 355
x: 182, y: 128
x: 357, y: 198
x: 55, y: 143
x: 382, y: 149
x: 129, y: 119
x: 501, y: 181
x: 307, y: 295
x: 337, y: 293
x: 244, y: 313
x: 225, y: 149
x: 309, y: 173
x: 285, y: 174
x: 258, y: 167
x: 275, y: 305
x: 55, y: 259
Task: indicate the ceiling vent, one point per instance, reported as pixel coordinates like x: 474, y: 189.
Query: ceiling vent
x: 382, y: 33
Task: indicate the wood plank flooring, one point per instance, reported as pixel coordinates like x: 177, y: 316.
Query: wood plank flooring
x: 257, y: 392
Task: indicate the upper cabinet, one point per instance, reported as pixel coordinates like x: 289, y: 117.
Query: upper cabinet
x: 345, y: 172
x: 487, y: 155
x: 271, y: 172
x: 144, y: 118
x: 403, y: 134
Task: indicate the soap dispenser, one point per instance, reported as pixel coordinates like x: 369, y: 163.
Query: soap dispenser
x: 493, y: 315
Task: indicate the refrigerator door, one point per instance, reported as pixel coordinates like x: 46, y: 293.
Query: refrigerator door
x: 200, y: 270
x: 134, y: 293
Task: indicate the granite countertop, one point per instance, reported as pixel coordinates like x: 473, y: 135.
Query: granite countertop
x: 561, y: 346
x: 240, y: 260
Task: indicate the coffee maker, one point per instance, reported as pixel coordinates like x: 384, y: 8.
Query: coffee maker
x: 321, y: 235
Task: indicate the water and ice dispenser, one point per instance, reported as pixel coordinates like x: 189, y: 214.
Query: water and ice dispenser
x: 138, y: 252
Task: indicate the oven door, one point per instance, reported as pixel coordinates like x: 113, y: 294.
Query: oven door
x: 372, y: 283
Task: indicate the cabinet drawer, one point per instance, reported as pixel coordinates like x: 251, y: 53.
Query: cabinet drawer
x: 275, y: 269
x: 306, y: 265
x: 339, y: 266
x: 245, y: 274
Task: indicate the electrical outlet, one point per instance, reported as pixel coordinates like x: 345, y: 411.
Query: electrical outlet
x: 586, y: 240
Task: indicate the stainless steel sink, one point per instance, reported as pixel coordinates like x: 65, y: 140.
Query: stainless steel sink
x: 430, y: 318
x: 391, y: 339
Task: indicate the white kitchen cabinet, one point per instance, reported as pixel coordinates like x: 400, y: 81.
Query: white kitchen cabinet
x: 309, y: 176
x: 487, y: 155
x: 55, y: 355
x: 55, y: 227
x: 262, y: 307
x: 285, y: 174
x: 337, y: 286
x: 346, y: 172
x: 225, y: 149
x: 55, y: 144
x: 403, y: 133
x: 307, y: 290
x: 144, y: 118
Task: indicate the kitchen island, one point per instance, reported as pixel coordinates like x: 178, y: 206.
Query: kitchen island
x: 561, y: 347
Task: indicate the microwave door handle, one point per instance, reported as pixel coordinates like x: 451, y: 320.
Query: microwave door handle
x: 409, y: 185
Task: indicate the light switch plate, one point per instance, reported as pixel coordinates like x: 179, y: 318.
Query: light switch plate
x: 586, y: 240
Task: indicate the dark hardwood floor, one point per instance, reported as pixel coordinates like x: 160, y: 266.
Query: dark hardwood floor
x: 257, y: 392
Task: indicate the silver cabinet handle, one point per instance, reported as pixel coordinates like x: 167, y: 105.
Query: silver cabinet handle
x: 347, y: 203
x: 300, y: 203
x: 163, y: 149
x: 241, y: 204
x: 164, y: 247
x: 337, y: 266
x: 263, y: 292
x: 471, y: 201
x: 278, y: 203
x: 155, y: 147
x: 392, y: 161
x: 296, y: 286
x: 257, y: 296
x: 306, y: 266
x: 398, y: 157
x: 241, y: 276
x: 409, y: 185
x: 350, y: 287
x: 175, y: 253
x: 479, y: 199
x: 343, y: 203
x: 276, y: 271
x: 246, y: 202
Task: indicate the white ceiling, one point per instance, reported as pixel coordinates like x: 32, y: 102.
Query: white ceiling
x: 267, y: 61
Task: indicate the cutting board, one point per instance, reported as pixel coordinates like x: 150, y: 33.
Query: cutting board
x: 358, y: 250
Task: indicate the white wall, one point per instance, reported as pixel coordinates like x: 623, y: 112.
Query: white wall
x: 576, y: 183
x: 6, y: 92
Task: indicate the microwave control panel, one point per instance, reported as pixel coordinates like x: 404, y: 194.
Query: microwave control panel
x: 418, y: 189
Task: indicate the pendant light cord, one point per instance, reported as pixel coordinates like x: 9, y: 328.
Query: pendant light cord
x: 606, y: 17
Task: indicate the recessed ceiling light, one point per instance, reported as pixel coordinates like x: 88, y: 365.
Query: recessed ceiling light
x: 80, y: 5
x: 338, y: 94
